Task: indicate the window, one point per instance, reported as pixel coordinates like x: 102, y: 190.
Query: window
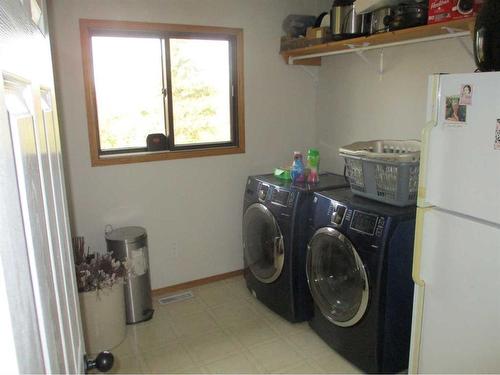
x: 182, y: 82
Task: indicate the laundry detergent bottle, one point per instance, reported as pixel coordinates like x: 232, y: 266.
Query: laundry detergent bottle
x: 297, y: 171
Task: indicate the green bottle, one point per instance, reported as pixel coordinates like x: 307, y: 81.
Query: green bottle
x: 313, y: 164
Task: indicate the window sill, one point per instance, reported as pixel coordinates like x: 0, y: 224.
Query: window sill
x: 143, y: 157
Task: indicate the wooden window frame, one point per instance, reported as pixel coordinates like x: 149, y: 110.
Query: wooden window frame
x: 89, y: 27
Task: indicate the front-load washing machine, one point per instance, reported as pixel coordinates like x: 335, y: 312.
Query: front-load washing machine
x: 275, y: 215
x: 358, y: 265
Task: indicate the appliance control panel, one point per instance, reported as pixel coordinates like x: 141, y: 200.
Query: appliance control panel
x: 380, y: 227
x: 283, y: 198
x: 262, y: 192
x: 338, y: 214
x: 364, y: 222
x: 348, y: 215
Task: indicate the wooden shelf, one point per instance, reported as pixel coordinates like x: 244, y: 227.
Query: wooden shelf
x: 312, y: 55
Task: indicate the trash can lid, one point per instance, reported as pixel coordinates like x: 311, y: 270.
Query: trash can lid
x: 126, y: 234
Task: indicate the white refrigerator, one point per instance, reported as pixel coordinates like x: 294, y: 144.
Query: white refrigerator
x: 456, y: 269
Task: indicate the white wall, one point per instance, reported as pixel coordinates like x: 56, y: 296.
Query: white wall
x: 353, y: 104
x: 191, y: 208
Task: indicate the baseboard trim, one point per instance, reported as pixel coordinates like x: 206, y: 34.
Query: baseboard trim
x: 193, y: 283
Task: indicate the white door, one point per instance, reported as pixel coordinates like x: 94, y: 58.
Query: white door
x: 38, y: 288
x: 456, y: 318
x: 459, y: 166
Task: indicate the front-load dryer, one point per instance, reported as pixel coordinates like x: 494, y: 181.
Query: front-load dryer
x: 275, y: 215
x: 358, y: 265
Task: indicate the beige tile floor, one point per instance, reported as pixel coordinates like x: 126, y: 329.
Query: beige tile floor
x: 224, y: 329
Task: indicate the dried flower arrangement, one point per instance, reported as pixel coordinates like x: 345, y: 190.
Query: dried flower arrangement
x: 95, y: 271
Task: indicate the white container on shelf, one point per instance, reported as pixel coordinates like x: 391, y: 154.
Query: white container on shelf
x: 366, y: 6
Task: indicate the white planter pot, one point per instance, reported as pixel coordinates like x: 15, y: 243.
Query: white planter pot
x: 103, y: 317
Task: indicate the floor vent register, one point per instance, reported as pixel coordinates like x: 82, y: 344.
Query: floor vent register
x: 176, y: 298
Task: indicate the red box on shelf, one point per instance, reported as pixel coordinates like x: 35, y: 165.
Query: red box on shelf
x: 447, y: 10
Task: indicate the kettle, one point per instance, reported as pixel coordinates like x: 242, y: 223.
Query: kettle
x: 487, y: 37
x: 345, y: 22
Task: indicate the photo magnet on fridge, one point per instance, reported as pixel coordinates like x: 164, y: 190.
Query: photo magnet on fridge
x: 466, y: 94
x: 455, y: 113
x: 497, y: 136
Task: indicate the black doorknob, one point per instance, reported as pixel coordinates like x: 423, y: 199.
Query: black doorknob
x: 103, y: 362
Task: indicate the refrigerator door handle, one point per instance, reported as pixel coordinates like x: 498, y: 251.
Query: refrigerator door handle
x: 418, y: 299
x: 416, y: 330
x: 417, y: 246
x: 432, y: 122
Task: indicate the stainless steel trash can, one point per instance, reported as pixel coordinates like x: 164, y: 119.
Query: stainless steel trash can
x: 131, y: 244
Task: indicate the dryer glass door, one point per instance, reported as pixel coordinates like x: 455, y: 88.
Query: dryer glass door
x: 262, y: 243
x: 337, y: 277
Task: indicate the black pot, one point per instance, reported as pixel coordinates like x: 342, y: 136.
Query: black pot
x: 409, y: 15
x: 487, y: 37
x: 381, y: 19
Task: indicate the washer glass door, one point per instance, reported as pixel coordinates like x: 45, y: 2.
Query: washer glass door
x: 262, y: 243
x: 337, y: 277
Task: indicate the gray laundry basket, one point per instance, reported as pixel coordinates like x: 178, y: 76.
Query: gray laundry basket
x: 384, y: 170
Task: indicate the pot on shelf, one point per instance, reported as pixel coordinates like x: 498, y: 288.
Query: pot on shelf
x: 345, y: 22
x: 380, y: 20
x: 409, y: 15
x: 487, y: 37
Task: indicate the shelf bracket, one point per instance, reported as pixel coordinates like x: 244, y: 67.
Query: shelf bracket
x: 453, y: 30
x: 359, y: 49
x: 381, y: 65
